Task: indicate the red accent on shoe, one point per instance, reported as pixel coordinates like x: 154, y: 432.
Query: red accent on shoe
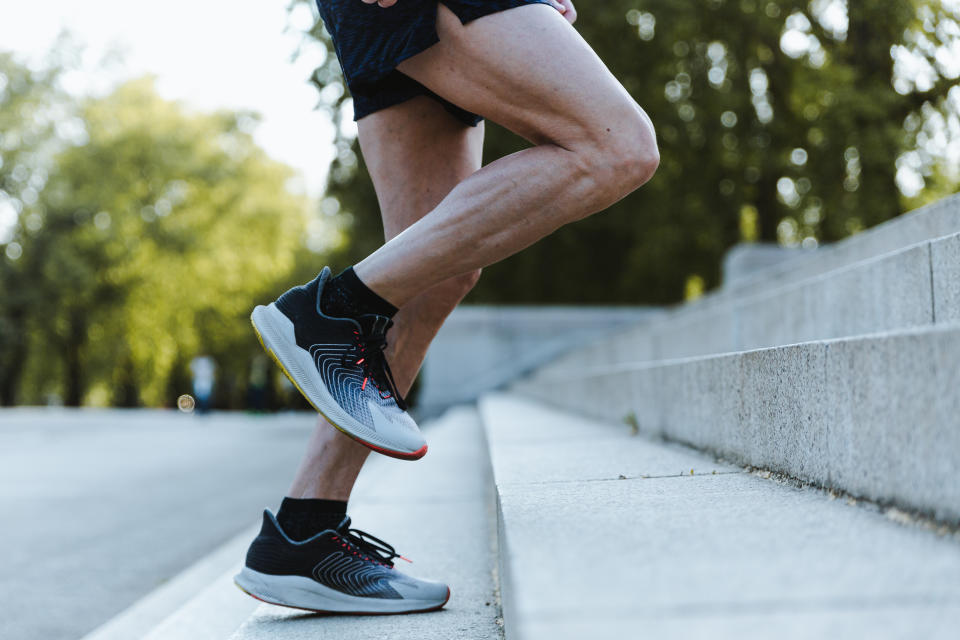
x: 414, y: 455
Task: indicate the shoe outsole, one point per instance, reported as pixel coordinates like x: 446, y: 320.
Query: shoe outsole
x: 400, y: 455
x: 349, y: 613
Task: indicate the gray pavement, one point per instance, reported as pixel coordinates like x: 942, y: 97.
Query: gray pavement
x: 101, y: 507
x: 605, y: 535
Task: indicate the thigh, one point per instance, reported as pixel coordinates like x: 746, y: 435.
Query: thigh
x: 416, y: 152
x: 528, y: 69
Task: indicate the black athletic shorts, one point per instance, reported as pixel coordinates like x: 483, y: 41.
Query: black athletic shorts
x: 371, y: 41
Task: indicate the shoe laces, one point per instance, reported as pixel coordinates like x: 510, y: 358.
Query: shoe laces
x: 373, y: 548
x: 367, y: 352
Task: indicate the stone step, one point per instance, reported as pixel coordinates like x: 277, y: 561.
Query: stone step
x: 200, y: 602
x: 877, y: 416
x: 933, y: 221
x: 608, y: 535
x: 915, y: 286
x: 481, y: 348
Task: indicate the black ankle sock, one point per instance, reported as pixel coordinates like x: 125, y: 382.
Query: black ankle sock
x: 301, y: 518
x: 345, y: 296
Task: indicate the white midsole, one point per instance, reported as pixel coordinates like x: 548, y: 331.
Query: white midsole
x: 304, y: 593
x: 277, y: 332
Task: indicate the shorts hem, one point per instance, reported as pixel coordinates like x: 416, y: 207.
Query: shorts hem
x: 374, y: 88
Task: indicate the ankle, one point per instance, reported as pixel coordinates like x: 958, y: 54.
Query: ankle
x: 345, y: 295
x: 301, y: 518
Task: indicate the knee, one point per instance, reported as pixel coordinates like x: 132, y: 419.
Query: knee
x: 626, y: 157
x: 637, y: 161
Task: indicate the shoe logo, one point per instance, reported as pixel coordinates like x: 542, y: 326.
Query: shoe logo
x: 380, y: 421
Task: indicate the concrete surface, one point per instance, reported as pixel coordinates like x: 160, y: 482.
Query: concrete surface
x: 901, y: 274
x: 912, y: 287
x: 725, y: 555
x: 215, y: 612
x: 481, y: 348
x: 945, y: 270
x: 936, y: 220
x: 102, y: 507
x: 894, y: 428
x: 169, y: 611
x: 439, y: 512
x: 747, y: 259
x: 877, y: 416
x: 890, y: 292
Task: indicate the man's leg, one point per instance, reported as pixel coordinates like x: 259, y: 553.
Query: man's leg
x: 416, y: 154
x: 528, y: 69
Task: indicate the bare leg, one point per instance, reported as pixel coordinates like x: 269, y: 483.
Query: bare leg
x: 416, y: 153
x: 529, y: 70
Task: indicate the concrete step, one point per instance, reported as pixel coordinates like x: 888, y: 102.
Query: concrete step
x: 876, y: 416
x: 933, y: 221
x: 915, y: 286
x: 200, y: 602
x: 481, y: 348
x: 439, y: 512
x: 608, y: 535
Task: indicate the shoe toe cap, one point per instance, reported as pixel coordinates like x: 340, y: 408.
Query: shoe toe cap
x: 429, y: 591
x: 399, y: 429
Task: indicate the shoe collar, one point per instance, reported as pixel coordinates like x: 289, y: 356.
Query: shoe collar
x: 368, y: 324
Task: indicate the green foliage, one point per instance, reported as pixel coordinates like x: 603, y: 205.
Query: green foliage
x: 30, y: 107
x: 778, y: 121
x: 148, y: 244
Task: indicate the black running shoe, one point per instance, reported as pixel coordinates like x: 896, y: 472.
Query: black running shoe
x: 339, y: 366
x: 340, y: 570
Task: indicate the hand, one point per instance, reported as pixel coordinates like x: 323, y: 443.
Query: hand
x: 565, y: 7
x: 382, y: 3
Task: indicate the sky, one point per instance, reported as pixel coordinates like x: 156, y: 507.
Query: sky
x: 209, y: 54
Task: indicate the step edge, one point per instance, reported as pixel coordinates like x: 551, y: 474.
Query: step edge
x: 158, y: 606
x: 547, y: 373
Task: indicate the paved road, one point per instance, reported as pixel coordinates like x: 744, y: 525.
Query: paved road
x: 97, y: 508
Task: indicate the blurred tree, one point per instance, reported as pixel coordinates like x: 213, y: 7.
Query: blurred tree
x: 793, y: 121
x: 149, y: 244
x: 31, y: 109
